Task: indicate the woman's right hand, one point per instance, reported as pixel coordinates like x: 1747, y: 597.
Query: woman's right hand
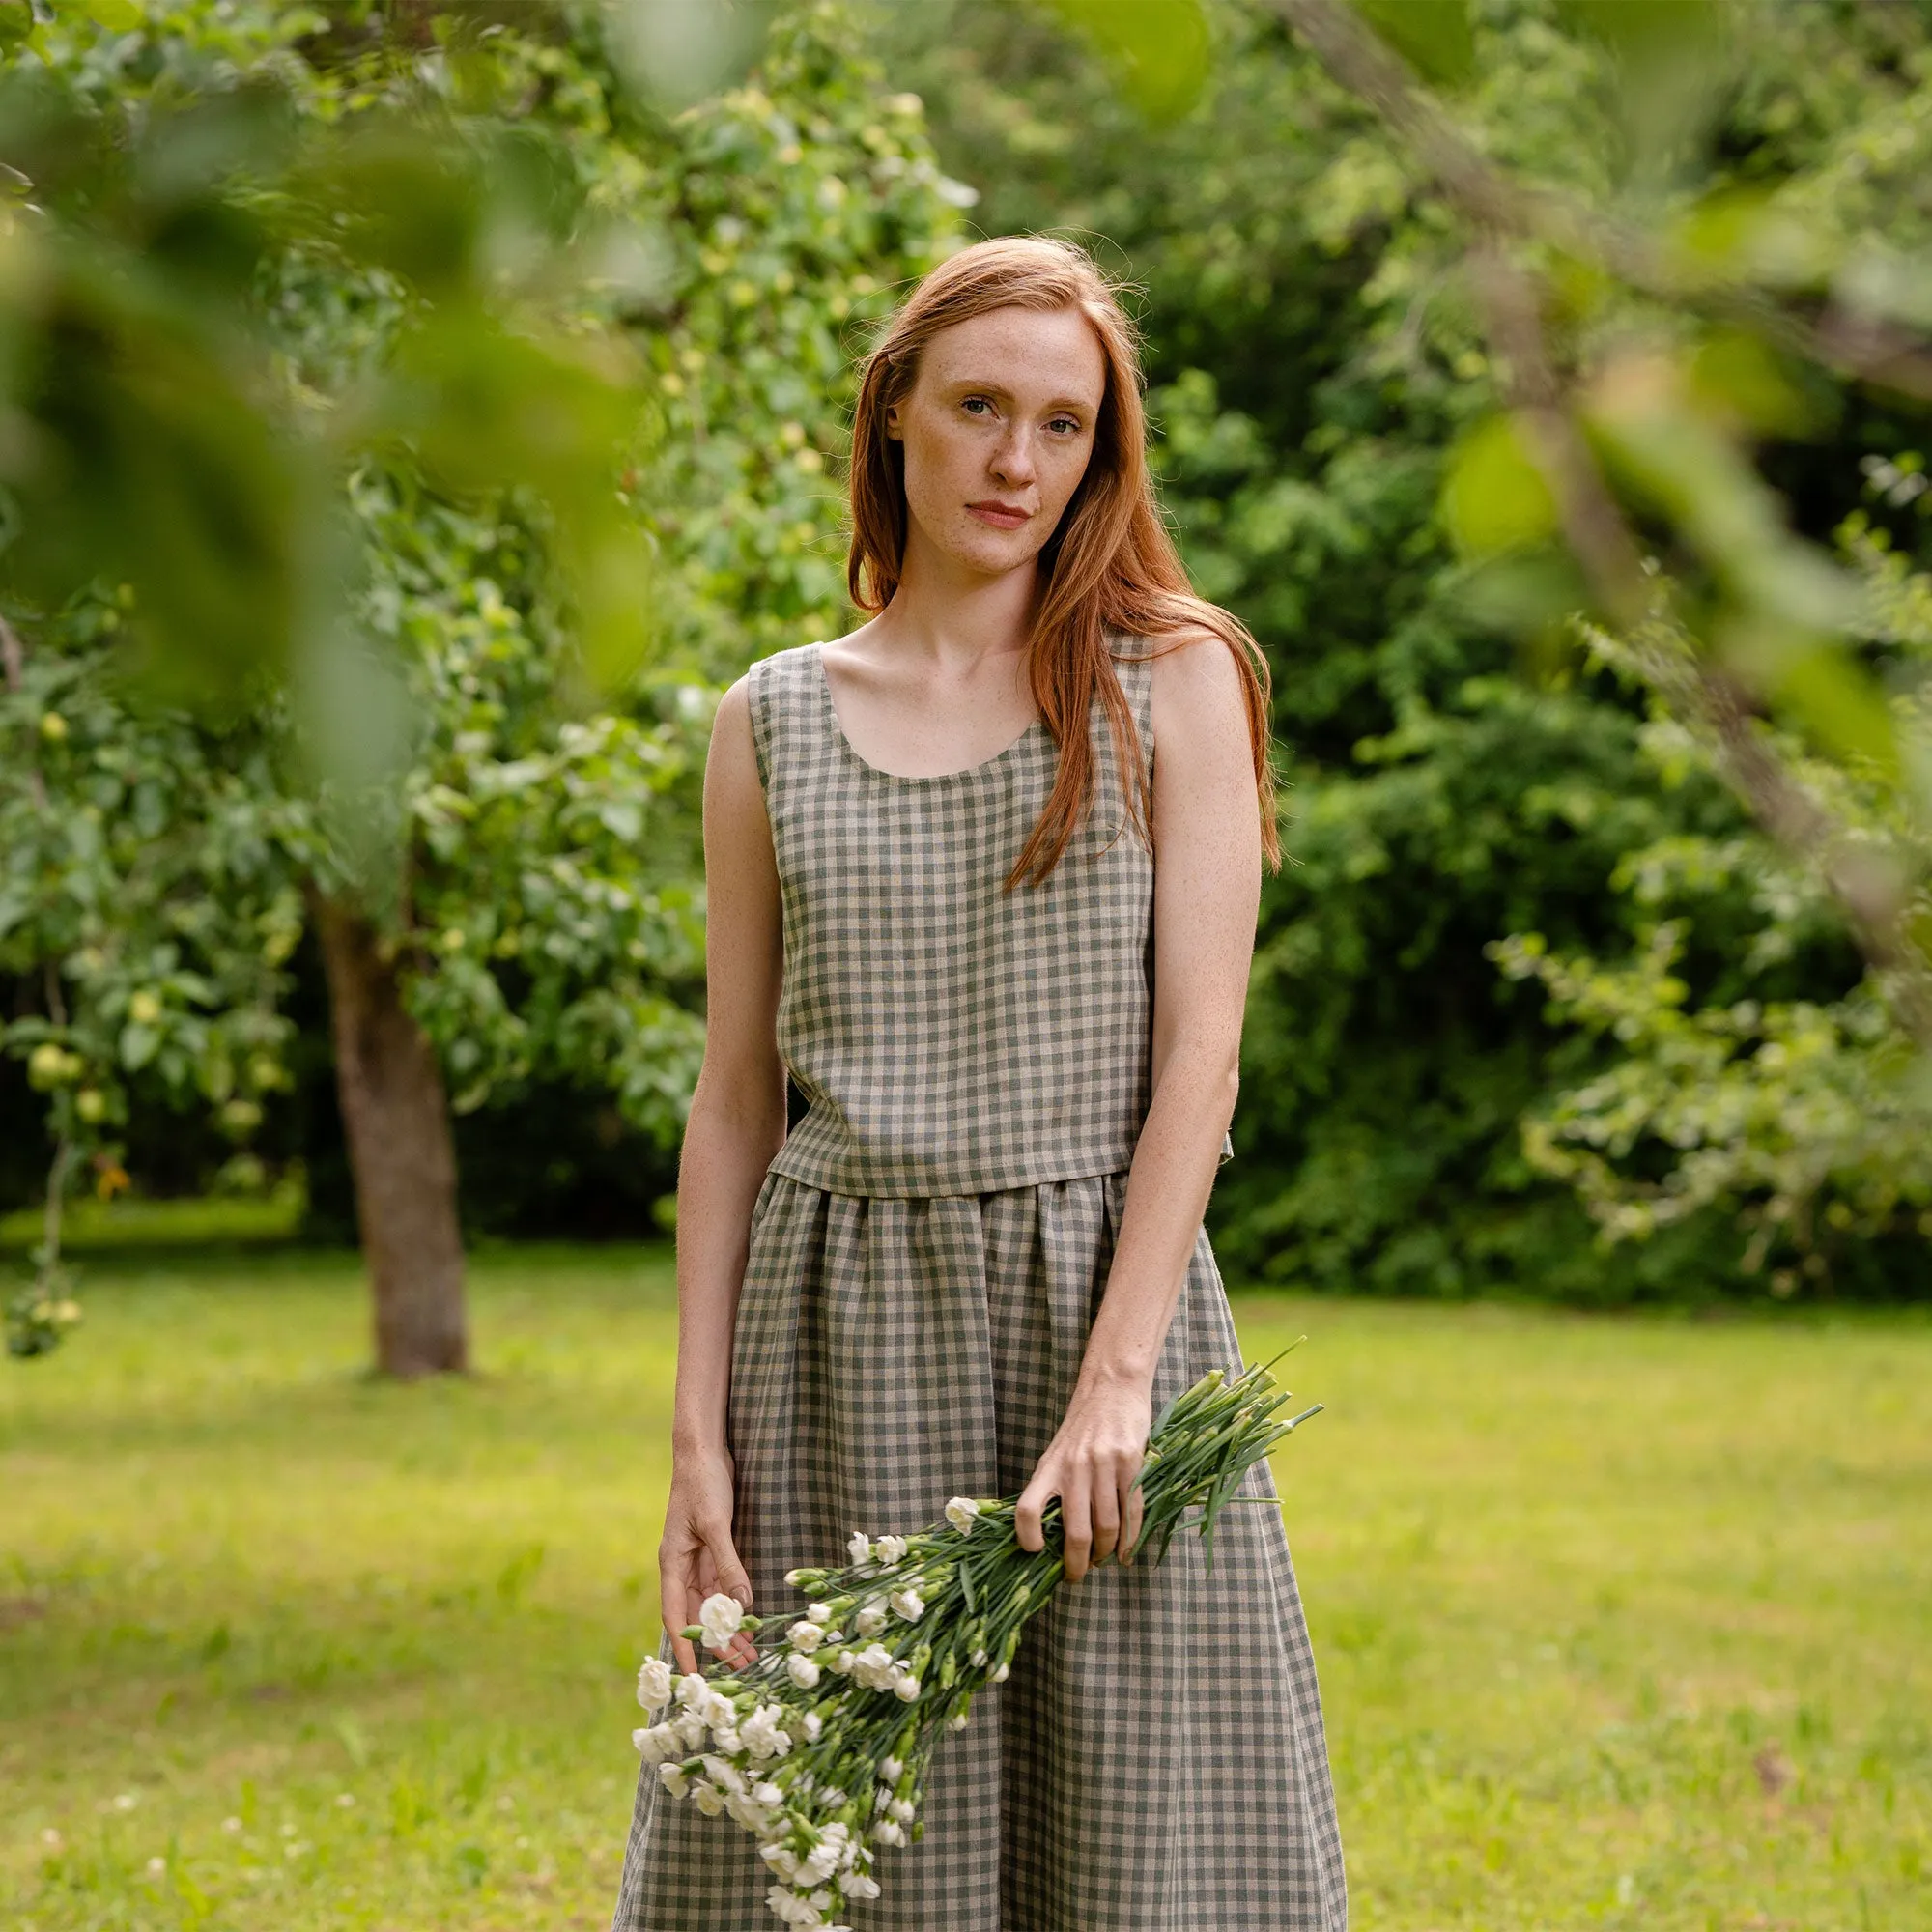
x: 697, y: 1557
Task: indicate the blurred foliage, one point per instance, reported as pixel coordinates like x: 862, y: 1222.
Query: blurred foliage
x: 605, y: 283
x: 1335, y: 453
x: 1815, y: 1115
x: 250, y: 246
x: 1721, y: 216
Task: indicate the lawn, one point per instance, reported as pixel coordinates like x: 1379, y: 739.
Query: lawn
x: 1621, y: 1623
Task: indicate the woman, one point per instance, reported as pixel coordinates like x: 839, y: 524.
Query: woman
x: 977, y: 1263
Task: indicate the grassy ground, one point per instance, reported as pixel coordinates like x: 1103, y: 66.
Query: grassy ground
x: 1621, y: 1623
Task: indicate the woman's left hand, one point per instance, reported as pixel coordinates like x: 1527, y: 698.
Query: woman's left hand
x: 1090, y: 1465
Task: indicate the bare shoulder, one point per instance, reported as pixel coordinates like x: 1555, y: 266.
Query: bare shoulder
x: 736, y: 703
x: 732, y: 763
x: 1200, y: 697
x: 731, y: 722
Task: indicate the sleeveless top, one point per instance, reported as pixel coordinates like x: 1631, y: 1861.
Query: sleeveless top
x: 950, y: 1038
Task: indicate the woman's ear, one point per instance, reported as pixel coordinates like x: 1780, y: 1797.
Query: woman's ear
x: 893, y: 429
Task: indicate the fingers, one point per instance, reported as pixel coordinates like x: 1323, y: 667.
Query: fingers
x: 1027, y: 1525
x: 697, y: 1561
x: 1106, y: 1518
x: 675, y: 1600
x: 1076, y: 1521
x: 734, y: 1580
x: 1130, y: 1543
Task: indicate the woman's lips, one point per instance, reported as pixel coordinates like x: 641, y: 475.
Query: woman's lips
x: 999, y: 515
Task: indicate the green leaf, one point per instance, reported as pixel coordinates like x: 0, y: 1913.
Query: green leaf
x: 679, y: 52
x: 1819, y: 687
x: 1432, y: 35
x: 118, y: 16
x: 1739, y: 373
x: 1161, y: 49
x: 1670, y: 62
x: 1648, y: 31
x: 1493, y: 496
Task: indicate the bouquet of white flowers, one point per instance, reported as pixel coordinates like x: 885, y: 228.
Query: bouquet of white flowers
x: 820, y: 1748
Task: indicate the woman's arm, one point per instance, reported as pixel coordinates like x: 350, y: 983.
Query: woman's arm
x: 737, y: 1126
x: 1206, y: 895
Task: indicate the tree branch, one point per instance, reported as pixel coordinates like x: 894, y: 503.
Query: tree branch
x: 1870, y: 894
x: 1860, y: 346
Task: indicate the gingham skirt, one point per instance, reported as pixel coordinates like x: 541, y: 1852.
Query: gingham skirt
x: 1156, y: 1762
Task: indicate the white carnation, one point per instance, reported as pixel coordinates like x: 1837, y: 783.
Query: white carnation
x: 890, y: 1770
x: 707, y: 1798
x: 818, y: 1613
x: 802, y: 1672
x: 791, y: 1908
x: 689, y: 1727
x: 821, y: 1864
x: 725, y: 1775
x: 746, y: 1811
x: 874, y: 1666
x: 782, y: 1859
x: 674, y: 1778
x: 961, y: 1513
x: 813, y: 1723
x: 761, y: 1734
x: 858, y: 1885
x: 1000, y: 1675
x: 654, y: 1681
x: 860, y: 1546
x: 889, y: 1833
x: 891, y: 1549
x: 905, y: 1686
x: 693, y: 1690
x: 721, y: 1618
x: 806, y: 1634
x: 909, y: 1604
x: 870, y: 1621
x: 902, y: 1808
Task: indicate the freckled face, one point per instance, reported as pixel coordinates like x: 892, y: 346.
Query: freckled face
x: 998, y: 431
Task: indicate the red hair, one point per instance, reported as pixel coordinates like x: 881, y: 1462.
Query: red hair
x: 1111, y: 566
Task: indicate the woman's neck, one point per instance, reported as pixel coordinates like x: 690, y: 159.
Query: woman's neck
x: 945, y: 612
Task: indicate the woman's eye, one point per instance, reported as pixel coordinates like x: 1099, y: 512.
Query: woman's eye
x: 1065, y: 425
x: 976, y: 403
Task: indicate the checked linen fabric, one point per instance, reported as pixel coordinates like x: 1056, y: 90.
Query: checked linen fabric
x: 926, y: 1253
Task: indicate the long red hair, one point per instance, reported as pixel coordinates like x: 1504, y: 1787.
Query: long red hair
x: 1110, y: 568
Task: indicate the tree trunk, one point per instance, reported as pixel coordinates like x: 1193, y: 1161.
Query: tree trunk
x: 401, y: 1154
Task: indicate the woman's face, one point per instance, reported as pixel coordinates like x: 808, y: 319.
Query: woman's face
x: 998, y: 430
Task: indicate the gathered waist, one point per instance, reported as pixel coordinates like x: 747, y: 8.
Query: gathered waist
x: 826, y: 1161
x: 822, y: 1151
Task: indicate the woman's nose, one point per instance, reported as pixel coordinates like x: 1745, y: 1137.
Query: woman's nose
x: 1012, y: 461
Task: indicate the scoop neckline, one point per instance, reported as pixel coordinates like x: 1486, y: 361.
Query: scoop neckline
x: 905, y: 778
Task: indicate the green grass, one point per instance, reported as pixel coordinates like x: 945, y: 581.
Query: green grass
x: 1622, y: 1623
x: 87, y: 1224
